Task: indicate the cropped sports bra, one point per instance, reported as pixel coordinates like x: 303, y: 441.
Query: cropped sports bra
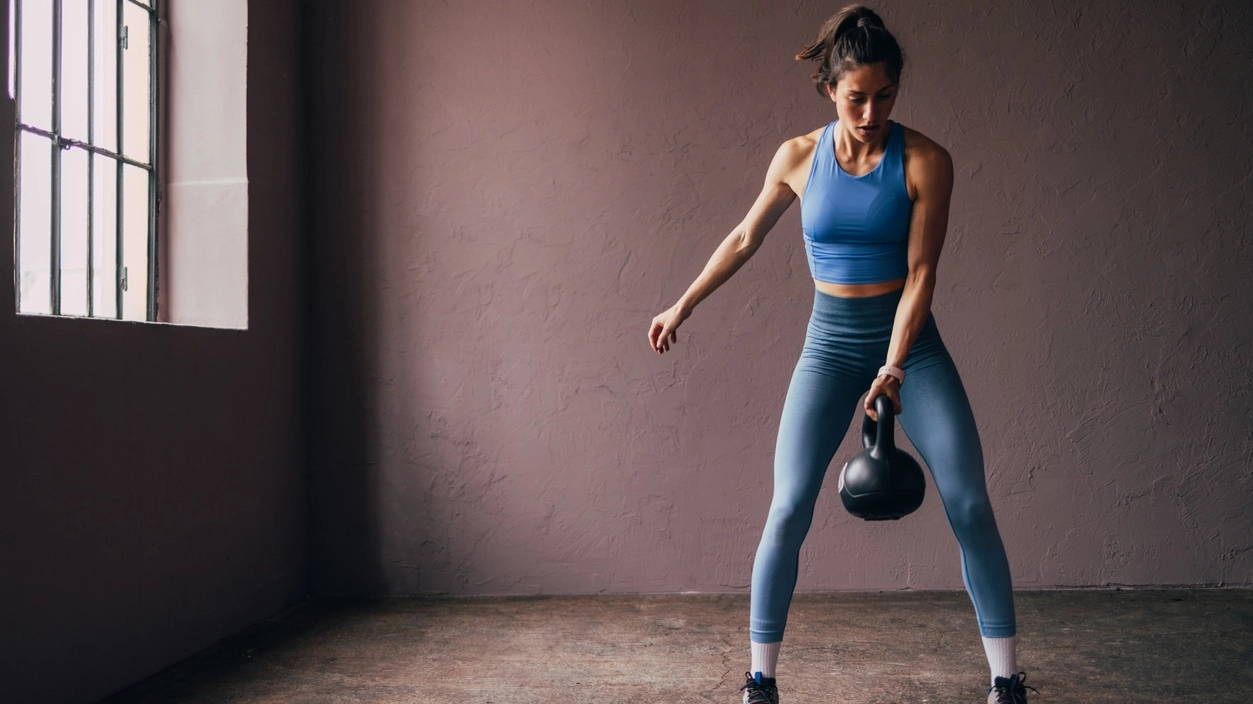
x: 856, y: 228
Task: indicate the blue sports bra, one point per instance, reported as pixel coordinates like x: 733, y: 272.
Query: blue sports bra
x: 856, y: 228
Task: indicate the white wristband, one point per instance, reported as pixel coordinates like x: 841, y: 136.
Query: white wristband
x: 891, y: 371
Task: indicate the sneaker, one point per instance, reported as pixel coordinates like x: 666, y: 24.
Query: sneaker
x: 760, y: 691
x: 1009, y: 690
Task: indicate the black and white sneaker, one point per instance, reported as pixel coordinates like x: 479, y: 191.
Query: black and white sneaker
x: 759, y: 691
x: 1009, y: 690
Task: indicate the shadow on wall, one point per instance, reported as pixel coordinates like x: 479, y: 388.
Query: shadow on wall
x: 341, y: 97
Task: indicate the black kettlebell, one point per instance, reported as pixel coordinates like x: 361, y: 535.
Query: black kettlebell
x: 881, y: 482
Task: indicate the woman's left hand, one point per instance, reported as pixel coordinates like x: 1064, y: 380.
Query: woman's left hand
x: 885, y: 385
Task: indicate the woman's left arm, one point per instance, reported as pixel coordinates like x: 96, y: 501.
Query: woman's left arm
x: 930, y: 168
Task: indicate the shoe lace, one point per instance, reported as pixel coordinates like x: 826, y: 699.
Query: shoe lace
x: 1012, y: 689
x: 757, y: 693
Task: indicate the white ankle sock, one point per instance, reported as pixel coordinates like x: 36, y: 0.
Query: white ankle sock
x: 1001, y: 656
x: 765, y: 658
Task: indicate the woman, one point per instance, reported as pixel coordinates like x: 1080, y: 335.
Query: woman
x: 874, y: 210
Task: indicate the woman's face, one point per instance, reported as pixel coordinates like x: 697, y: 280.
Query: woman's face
x: 863, y: 100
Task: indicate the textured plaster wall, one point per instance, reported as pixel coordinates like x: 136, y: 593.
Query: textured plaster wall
x: 152, y: 477
x: 505, y: 193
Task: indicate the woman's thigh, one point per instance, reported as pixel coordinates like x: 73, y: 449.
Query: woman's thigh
x: 937, y: 418
x: 820, y: 404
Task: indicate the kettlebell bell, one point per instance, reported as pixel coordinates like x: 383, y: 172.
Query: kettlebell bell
x: 881, y: 482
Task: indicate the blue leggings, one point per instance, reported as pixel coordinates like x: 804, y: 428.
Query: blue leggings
x: 846, y: 343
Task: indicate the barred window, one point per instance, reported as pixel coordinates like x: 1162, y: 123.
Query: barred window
x: 83, y: 74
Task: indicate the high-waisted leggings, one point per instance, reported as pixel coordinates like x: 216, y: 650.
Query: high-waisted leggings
x: 847, y: 342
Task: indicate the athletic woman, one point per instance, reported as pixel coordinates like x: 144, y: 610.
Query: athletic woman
x: 874, y: 210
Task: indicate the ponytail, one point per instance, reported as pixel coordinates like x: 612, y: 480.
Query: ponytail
x: 852, y: 37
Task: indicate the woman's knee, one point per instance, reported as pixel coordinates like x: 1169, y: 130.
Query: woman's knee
x: 788, y: 522
x: 970, y: 516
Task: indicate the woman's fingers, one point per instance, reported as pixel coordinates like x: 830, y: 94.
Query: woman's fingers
x: 665, y: 330
x: 664, y: 338
x: 881, y: 387
x: 668, y: 337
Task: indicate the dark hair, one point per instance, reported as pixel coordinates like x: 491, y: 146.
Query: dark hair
x: 852, y: 37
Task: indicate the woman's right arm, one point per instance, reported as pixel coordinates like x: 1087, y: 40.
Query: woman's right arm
x: 739, y: 246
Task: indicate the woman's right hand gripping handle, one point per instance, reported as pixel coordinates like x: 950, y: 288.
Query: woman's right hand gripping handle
x: 662, y: 333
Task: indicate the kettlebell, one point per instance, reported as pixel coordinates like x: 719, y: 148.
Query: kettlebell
x: 881, y: 482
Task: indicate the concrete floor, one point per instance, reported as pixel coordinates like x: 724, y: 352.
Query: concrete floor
x: 1079, y: 647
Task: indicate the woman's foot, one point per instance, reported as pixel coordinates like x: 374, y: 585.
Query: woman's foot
x: 759, y: 691
x: 1009, y: 690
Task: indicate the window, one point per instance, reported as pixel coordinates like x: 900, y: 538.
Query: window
x: 83, y: 76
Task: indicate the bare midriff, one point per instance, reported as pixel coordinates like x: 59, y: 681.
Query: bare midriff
x: 858, y: 290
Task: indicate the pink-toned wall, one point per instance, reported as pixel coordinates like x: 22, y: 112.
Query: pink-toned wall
x: 152, y: 477
x: 505, y: 193
x: 502, y: 195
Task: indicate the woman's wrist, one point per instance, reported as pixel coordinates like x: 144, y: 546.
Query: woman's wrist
x: 894, y: 372
x: 684, y: 306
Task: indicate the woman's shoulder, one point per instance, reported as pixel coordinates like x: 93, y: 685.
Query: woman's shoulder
x: 810, y: 139
x: 922, y: 149
x: 926, y: 163
x: 801, y: 148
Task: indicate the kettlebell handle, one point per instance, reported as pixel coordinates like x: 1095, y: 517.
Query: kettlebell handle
x: 879, y: 437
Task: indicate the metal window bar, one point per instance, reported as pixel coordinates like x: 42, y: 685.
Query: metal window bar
x: 55, y: 278
x: 153, y: 127
x: 91, y: 159
x: 17, y: 151
x: 60, y: 144
x: 119, y: 47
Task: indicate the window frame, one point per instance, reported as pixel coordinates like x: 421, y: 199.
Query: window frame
x: 60, y: 144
